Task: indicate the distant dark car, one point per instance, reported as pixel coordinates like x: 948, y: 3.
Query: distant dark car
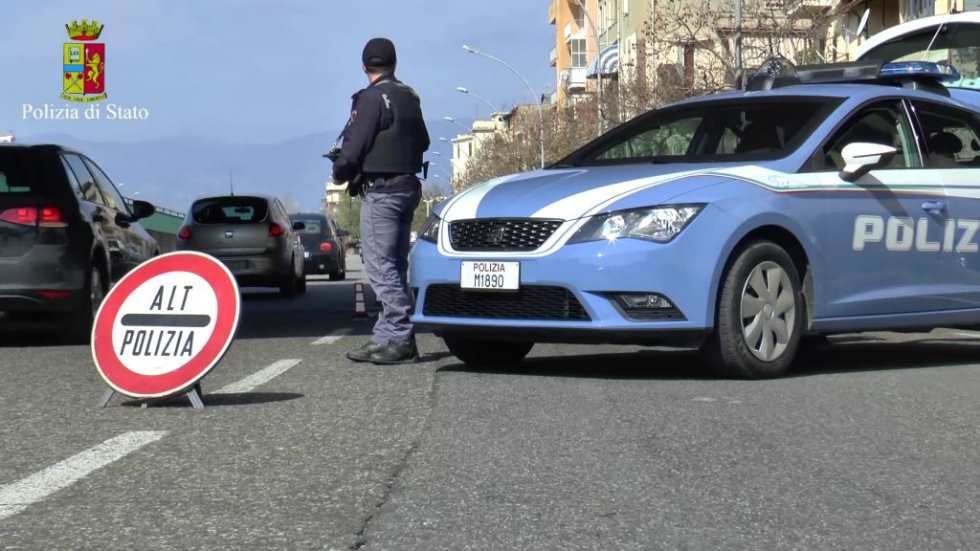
x: 252, y: 235
x: 324, y: 244
x: 66, y: 235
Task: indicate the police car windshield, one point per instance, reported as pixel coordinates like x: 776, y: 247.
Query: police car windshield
x: 712, y: 131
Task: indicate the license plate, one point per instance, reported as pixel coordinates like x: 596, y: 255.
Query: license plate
x: 306, y: 254
x: 490, y: 276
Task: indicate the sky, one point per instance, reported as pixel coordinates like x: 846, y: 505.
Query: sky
x: 266, y: 71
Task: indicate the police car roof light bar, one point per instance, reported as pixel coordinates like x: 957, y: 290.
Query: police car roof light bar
x: 919, y: 74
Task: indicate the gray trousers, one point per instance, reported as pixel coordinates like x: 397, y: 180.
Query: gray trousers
x: 386, y: 226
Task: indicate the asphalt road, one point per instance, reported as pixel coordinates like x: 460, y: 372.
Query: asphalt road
x: 874, y: 442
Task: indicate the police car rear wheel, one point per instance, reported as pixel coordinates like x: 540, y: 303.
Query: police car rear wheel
x: 759, y: 314
x: 477, y: 352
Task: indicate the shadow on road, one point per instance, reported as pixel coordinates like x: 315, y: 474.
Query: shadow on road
x: 851, y: 353
x: 221, y: 400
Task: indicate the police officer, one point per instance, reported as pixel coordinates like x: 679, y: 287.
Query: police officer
x: 381, y: 153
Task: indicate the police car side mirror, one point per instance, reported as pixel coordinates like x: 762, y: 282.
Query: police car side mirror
x: 862, y: 157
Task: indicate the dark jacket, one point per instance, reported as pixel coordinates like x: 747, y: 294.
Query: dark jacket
x: 385, y: 137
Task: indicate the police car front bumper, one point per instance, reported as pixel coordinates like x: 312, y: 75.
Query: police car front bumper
x: 595, y: 275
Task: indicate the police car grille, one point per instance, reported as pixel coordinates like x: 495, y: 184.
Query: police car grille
x: 501, y: 234
x: 529, y: 303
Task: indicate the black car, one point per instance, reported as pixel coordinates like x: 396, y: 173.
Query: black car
x: 66, y: 235
x: 252, y: 235
x: 324, y: 244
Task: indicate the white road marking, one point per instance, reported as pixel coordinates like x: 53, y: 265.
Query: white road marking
x: 259, y: 378
x: 967, y: 334
x: 330, y: 339
x: 17, y: 496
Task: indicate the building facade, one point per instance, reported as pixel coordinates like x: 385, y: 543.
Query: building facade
x: 575, y: 47
x: 467, y: 146
x: 332, y: 196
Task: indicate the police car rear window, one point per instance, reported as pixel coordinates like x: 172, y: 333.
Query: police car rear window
x: 230, y: 210
x: 13, y: 178
x: 715, y: 131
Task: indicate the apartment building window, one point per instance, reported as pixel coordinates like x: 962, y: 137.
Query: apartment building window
x: 919, y: 8
x: 576, y: 47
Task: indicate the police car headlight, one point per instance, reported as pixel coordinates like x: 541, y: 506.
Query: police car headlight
x: 660, y: 224
x: 430, y: 230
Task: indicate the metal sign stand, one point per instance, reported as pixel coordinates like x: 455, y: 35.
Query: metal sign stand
x: 194, y: 394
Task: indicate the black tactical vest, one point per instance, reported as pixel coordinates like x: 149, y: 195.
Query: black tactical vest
x: 398, y: 149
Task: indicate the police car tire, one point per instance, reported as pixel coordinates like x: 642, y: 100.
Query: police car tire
x: 479, y: 352
x: 727, y: 350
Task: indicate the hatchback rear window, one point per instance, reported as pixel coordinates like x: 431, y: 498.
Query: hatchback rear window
x: 13, y: 177
x: 312, y: 226
x: 230, y: 210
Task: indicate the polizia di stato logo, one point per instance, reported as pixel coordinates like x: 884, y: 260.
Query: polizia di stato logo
x: 84, y: 63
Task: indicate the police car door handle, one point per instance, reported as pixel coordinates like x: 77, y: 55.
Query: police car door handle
x: 934, y: 206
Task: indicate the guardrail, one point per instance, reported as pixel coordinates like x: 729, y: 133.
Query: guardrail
x: 161, y: 210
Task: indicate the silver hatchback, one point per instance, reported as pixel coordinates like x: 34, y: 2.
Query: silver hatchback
x: 252, y: 235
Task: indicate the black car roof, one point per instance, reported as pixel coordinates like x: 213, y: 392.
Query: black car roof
x: 308, y: 215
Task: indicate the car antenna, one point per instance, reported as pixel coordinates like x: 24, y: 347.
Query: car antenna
x: 939, y: 29
x: 231, y: 182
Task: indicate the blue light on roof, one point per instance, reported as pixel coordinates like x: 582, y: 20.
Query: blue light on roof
x: 928, y: 69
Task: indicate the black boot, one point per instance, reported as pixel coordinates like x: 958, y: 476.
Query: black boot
x: 363, y: 354
x: 394, y: 354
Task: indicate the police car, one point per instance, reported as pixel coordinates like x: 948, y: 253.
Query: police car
x: 822, y: 199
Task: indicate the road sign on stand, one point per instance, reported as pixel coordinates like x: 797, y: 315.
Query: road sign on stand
x: 165, y: 325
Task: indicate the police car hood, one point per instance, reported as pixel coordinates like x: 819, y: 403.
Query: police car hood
x: 572, y: 193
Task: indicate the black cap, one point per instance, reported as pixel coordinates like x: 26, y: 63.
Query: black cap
x: 379, y: 52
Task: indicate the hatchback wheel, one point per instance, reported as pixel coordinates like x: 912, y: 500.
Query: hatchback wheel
x: 488, y: 353
x: 760, y: 314
x: 80, y: 326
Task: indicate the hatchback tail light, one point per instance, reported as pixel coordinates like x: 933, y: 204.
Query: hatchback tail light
x: 326, y: 247
x: 275, y: 230
x: 45, y: 217
x: 184, y: 234
x: 52, y: 294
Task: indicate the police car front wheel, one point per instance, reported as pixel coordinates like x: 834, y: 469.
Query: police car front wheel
x: 760, y: 314
x: 480, y: 352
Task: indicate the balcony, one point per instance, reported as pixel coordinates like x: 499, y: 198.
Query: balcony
x: 803, y: 8
x: 573, y: 79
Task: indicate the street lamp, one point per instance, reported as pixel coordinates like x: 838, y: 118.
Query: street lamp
x: 467, y: 91
x: 598, y: 51
x: 526, y: 83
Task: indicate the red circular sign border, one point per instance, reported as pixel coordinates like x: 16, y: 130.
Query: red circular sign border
x: 134, y: 385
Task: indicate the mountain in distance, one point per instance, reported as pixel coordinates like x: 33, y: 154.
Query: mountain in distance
x: 173, y: 172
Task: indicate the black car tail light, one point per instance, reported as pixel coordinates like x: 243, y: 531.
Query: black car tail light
x: 45, y: 217
x: 326, y: 247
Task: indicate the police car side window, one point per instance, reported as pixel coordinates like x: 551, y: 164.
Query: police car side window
x: 951, y: 136
x: 86, y: 182
x: 882, y: 123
